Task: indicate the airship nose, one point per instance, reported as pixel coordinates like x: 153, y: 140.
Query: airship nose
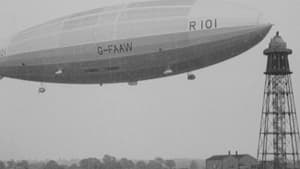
x: 263, y: 29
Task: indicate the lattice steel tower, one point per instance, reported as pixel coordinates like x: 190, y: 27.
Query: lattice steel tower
x: 278, y: 146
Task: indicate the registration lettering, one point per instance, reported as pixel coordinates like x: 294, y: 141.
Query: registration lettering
x: 204, y: 24
x: 120, y: 48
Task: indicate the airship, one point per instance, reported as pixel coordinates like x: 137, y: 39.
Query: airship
x: 132, y: 42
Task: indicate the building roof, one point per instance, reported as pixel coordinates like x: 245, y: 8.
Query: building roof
x: 221, y: 157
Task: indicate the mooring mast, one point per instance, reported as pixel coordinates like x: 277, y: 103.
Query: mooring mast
x: 278, y: 146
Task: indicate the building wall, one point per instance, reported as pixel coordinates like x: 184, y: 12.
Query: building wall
x: 214, y: 164
x: 232, y: 162
x: 247, y: 162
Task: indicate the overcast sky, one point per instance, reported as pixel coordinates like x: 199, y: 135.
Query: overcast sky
x: 170, y: 117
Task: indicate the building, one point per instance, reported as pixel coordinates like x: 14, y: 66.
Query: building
x: 229, y: 161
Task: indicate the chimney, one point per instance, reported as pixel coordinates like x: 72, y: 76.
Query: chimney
x: 229, y: 153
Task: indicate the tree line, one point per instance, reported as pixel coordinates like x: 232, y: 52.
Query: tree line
x: 107, y: 162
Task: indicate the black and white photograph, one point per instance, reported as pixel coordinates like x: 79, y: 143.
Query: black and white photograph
x: 149, y: 84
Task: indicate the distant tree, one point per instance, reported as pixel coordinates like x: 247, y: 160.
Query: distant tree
x: 154, y: 164
x: 74, y: 166
x: 110, y: 162
x: 2, y: 165
x: 194, y: 165
x: 52, y: 165
x: 109, y: 159
x: 170, y: 164
x: 37, y: 165
x: 141, y: 165
x: 22, y: 164
x: 160, y: 160
x: 11, y: 164
x: 64, y: 166
x: 90, y: 163
x: 126, y: 164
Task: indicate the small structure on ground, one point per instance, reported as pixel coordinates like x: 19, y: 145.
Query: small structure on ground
x: 229, y: 161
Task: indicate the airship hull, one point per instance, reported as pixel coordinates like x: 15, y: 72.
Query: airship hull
x: 132, y: 42
x: 136, y: 59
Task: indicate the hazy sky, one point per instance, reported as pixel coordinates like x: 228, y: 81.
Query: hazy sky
x: 170, y: 117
